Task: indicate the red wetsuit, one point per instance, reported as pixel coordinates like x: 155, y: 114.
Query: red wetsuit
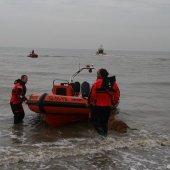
x: 101, y: 100
x: 17, y: 98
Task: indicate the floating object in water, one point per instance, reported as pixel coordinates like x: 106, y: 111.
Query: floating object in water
x: 100, y: 51
x: 33, y: 55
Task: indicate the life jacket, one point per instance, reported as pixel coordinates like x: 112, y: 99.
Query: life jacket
x: 105, y: 92
x: 18, y: 92
x: 116, y: 94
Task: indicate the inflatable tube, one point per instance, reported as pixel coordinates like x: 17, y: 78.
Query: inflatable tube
x: 58, y: 110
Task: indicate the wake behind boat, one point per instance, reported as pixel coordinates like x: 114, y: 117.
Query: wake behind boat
x: 68, y: 102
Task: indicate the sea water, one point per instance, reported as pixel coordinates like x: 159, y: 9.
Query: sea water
x: 144, y: 81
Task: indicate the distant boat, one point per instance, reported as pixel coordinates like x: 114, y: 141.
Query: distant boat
x: 33, y: 55
x: 100, y: 51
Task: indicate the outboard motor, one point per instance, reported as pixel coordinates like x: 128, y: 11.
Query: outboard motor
x: 85, y: 89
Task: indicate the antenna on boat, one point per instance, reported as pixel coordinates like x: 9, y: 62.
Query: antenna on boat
x: 79, y: 63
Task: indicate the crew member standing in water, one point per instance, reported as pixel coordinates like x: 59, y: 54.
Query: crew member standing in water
x: 103, y: 96
x: 18, y: 97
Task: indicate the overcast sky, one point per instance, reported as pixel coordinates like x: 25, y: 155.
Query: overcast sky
x: 85, y: 24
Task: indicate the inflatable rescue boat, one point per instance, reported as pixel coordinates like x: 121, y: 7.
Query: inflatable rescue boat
x: 65, y: 104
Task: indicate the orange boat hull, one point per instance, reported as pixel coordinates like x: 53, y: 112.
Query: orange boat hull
x: 57, y: 110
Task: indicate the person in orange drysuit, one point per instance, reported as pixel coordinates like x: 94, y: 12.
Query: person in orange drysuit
x: 18, y: 97
x: 103, y: 97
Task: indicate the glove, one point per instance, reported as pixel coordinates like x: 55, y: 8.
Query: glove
x: 24, y: 99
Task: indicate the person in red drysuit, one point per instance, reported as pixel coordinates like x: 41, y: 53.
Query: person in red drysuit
x: 103, y: 97
x: 18, y: 97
